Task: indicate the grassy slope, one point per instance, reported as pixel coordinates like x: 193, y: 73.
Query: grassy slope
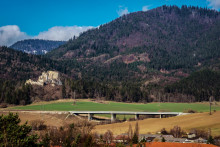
x: 114, y: 106
x: 153, y: 125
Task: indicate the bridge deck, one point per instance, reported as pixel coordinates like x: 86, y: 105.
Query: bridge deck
x: 126, y: 112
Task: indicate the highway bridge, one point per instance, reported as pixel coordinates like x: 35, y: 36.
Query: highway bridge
x: 114, y: 113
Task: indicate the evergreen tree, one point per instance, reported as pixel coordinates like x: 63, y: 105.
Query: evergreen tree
x: 63, y: 90
x: 210, y: 140
x: 135, y: 139
x: 13, y: 134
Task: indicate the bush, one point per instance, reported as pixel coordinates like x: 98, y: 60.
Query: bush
x: 135, y: 139
x: 38, y: 125
x: 164, y: 131
x: 163, y: 140
x: 210, y: 140
x: 190, y: 111
x: 177, y: 132
x: 200, y: 133
x: 3, y: 105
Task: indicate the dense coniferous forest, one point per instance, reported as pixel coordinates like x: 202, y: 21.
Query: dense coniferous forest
x: 12, y: 92
x: 36, y: 46
x: 202, y: 85
x: 142, y: 57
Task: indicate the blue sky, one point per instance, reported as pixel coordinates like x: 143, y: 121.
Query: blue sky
x: 46, y: 18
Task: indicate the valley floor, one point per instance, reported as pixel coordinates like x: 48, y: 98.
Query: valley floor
x: 150, y: 125
x: 200, y: 120
x: 95, y: 105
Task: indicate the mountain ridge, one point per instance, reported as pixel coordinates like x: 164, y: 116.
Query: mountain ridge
x: 163, y: 33
x: 36, y: 46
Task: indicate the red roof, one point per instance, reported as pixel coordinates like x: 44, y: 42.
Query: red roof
x: 170, y: 144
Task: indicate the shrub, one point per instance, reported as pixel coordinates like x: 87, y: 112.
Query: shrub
x: 177, y: 132
x: 38, y: 125
x: 210, y: 140
x: 135, y: 139
x: 108, y: 137
x: 164, y: 131
x: 3, y: 105
x: 190, y: 111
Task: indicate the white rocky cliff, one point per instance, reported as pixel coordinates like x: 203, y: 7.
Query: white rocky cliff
x: 49, y: 77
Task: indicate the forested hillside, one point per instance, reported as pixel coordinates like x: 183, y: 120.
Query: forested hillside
x: 36, y: 46
x: 16, y: 65
x: 167, y: 38
x: 15, y: 68
x: 202, y: 85
x: 151, y: 49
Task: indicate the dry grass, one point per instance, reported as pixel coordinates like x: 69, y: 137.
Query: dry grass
x: 153, y: 125
x: 56, y: 120
x: 67, y: 100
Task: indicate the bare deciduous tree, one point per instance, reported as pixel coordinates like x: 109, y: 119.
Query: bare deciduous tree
x: 108, y: 137
x: 176, y: 131
x: 130, y: 132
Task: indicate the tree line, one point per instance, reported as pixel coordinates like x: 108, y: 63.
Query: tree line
x: 17, y: 93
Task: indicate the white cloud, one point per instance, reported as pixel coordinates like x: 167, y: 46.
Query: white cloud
x: 122, y: 11
x: 62, y: 33
x: 214, y: 4
x: 145, y: 8
x: 10, y: 34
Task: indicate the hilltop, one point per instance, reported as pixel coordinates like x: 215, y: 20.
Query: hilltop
x: 16, y: 65
x: 36, y: 46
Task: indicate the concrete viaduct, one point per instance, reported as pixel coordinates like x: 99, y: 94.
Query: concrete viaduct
x: 114, y: 113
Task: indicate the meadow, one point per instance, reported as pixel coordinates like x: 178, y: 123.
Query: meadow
x: 116, y: 106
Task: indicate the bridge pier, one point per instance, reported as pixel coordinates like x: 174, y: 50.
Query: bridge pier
x: 160, y: 115
x: 113, y: 117
x: 90, y: 115
x: 136, y: 116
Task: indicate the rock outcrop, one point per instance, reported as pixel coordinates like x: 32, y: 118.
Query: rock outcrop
x: 49, y: 77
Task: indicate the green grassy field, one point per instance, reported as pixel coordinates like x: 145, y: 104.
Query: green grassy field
x: 114, y: 106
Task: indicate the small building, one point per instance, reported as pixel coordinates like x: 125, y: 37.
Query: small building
x: 191, y: 135
x: 121, y: 139
x: 150, y: 139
